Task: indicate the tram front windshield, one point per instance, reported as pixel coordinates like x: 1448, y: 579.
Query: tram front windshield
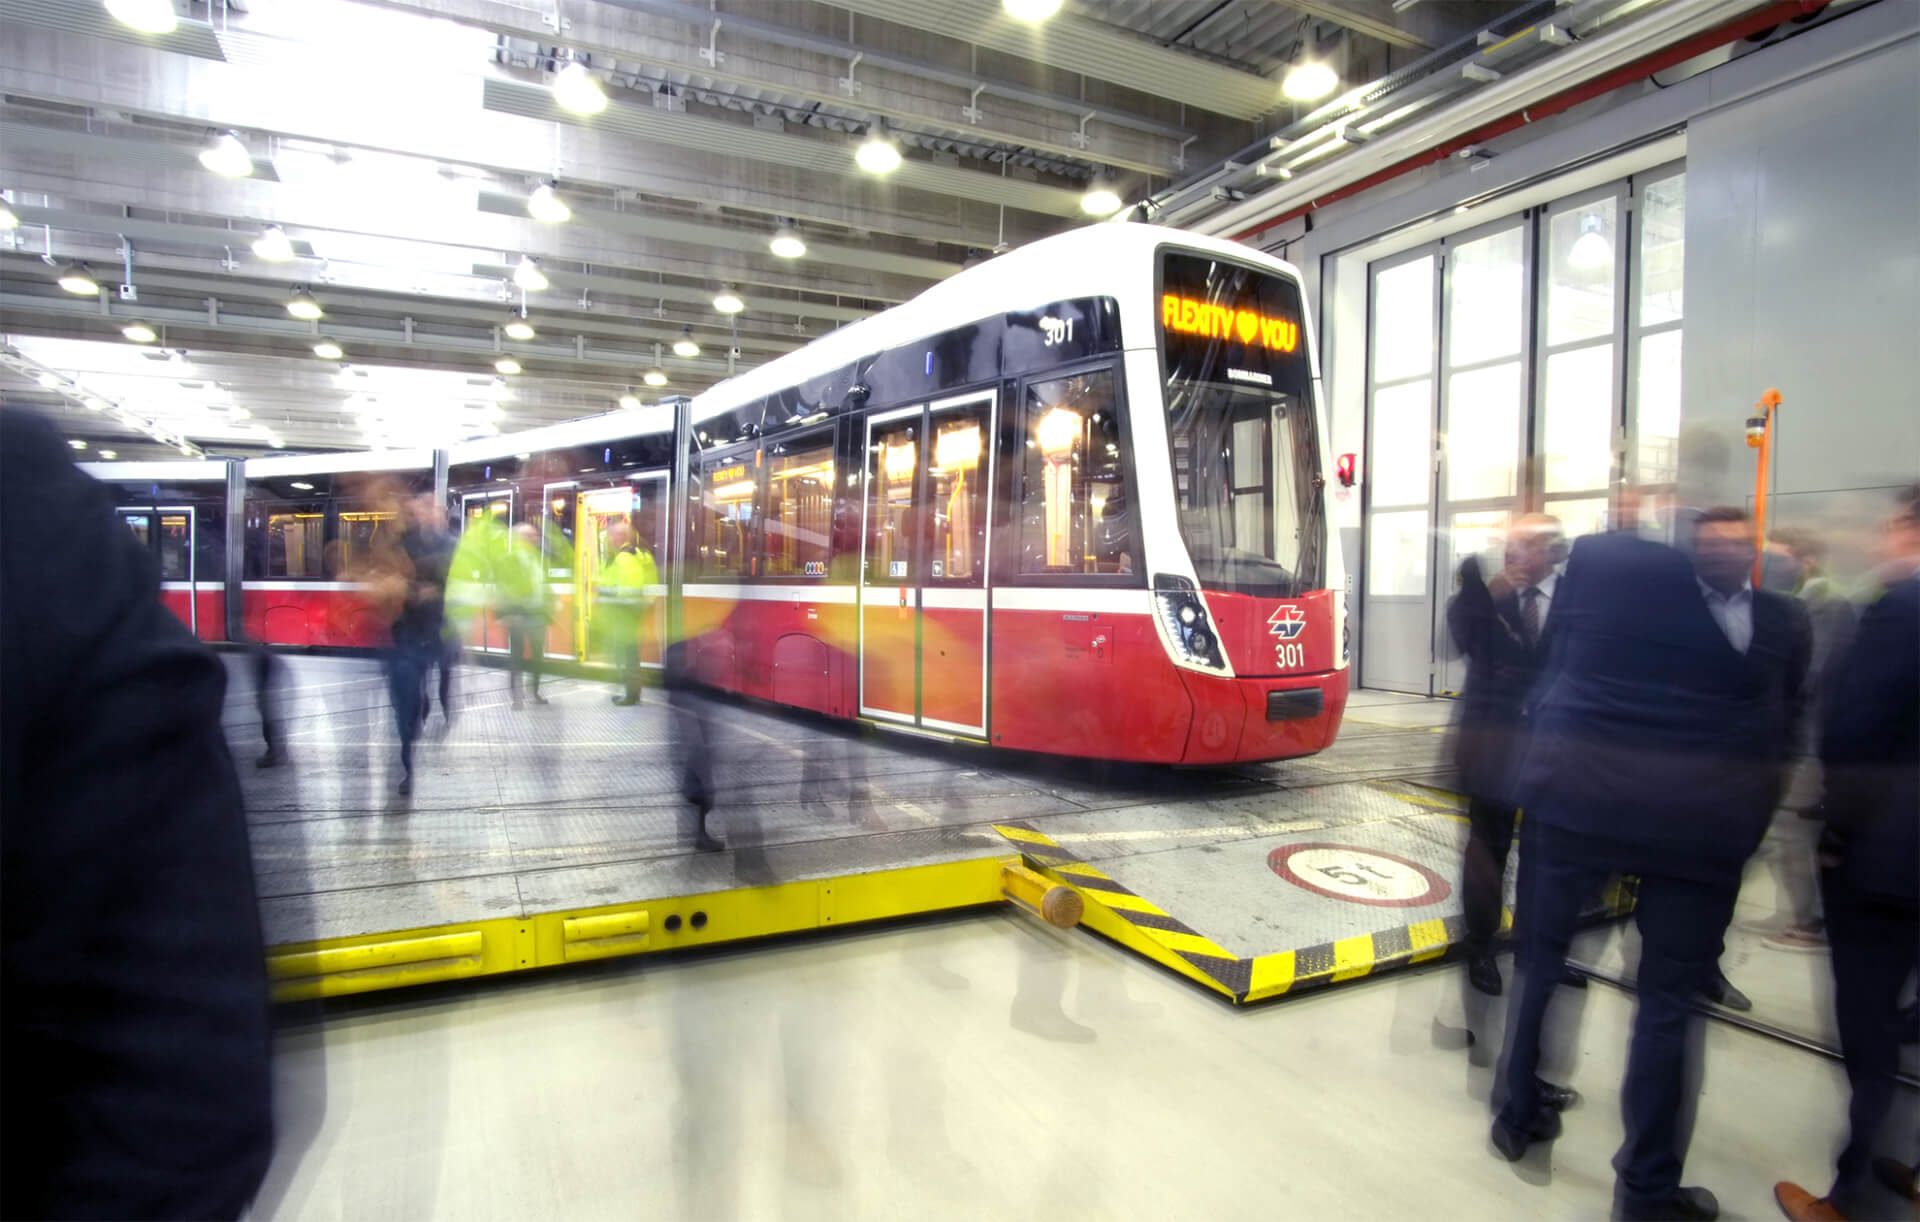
x: 1240, y: 426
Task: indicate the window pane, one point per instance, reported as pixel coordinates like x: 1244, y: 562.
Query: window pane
x: 294, y: 543
x: 1657, y: 410
x: 369, y: 533
x: 1403, y: 321
x: 957, y: 482
x: 1402, y: 444
x: 176, y: 548
x: 1663, y: 214
x: 1397, y: 553
x: 799, y: 516
x: 1074, y: 516
x: 1486, y: 308
x: 1581, y: 242
x: 1578, y: 433
x: 140, y: 526
x: 557, y: 535
x: 893, y: 457
x: 723, y: 517
x: 1483, y: 432
x: 1586, y: 516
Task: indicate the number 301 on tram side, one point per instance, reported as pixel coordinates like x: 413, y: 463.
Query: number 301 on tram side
x: 1072, y: 500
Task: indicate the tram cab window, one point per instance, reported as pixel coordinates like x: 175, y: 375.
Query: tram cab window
x: 723, y: 516
x: 1074, y: 512
x: 798, y: 514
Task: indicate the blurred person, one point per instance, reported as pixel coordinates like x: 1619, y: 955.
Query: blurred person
x: 1870, y: 854
x: 430, y: 549
x: 268, y: 671
x: 409, y: 597
x: 523, y: 602
x: 1658, y: 727
x: 1499, y: 626
x: 135, y: 1032
x: 621, y: 603
x: 692, y: 745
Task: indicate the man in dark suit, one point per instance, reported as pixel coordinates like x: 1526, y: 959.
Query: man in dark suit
x: 1659, y: 730
x: 1870, y: 748
x: 135, y: 1029
x: 1499, y: 626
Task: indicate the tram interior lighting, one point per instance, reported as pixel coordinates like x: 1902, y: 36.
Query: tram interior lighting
x: 1591, y: 249
x: 957, y: 449
x: 1309, y: 82
x: 303, y: 307
x: 76, y: 279
x: 545, y: 204
x: 685, y: 345
x: 898, y: 461
x: 274, y: 245
x: 527, y: 275
x: 728, y: 302
x: 146, y: 16
x: 787, y: 243
x: 578, y: 90
x: 1101, y: 199
x: 1059, y: 429
x: 227, y: 156
x: 517, y: 327
x: 654, y: 377
x: 738, y: 490
x: 507, y: 364
x: 1031, y: 10
x: 877, y: 154
x: 139, y: 333
x: 327, y: 350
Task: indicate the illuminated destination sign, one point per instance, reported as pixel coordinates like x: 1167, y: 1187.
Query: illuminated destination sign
x: 1203, y: 318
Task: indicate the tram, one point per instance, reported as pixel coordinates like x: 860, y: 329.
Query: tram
x: 1072, y: 500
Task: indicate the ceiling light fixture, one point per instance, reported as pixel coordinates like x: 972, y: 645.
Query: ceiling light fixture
x: 517, y: 327
x: 146, y: 16
x: 877, y: 154
x: 76, y: 279
x: 139, y: 333
x: 654, y: 377
x: 77, y: 444
x: 327, y: 350
x: 1031, y: 10
x: 630, y: 402
x: 95, y: 403
x: 578, y: 90
x: 227, y: 156
x: 302, y: 305
x: 787, y: 243
x: 527, y: 275
x: 728, y: 302
x: 507, y: 364
x: 1309, y: 82
x: 276, y: 443
x: 274, y: 245
x: 1101, y: 199
x: 109, y: 455
x: 48, y: 379
x: 1591, y: 249
x: 545, y: 204
x: 685, y: 345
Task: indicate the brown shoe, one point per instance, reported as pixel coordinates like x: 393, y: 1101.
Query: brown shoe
x: 1802, y: 1206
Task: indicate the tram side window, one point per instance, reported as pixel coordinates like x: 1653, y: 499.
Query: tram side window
x: 1074, y: 512
x: 799, y: 512
x: 176, y: 547
x: 723, y: 517
x: 365, y: 536
x: 292, y: 539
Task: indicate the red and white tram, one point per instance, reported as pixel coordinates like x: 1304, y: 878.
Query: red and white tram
x: 1072, y: 500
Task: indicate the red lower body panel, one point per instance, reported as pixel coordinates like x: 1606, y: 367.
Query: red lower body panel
x: 324, y: 617
x: 202, y: 608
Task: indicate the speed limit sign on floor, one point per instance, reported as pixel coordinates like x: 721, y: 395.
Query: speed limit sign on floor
x: 1360, y: 876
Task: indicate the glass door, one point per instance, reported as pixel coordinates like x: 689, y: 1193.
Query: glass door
x: 167, y: 532
x: 489, y: 513
x: 889, y: 568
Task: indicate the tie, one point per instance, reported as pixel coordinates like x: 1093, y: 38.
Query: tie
x: 1530, y: 613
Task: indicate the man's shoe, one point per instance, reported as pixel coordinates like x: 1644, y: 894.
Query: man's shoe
x: 1722, y: 993
x: 272, y: 759
x: 1513, y: 1143
x: 406, y: 784
x: 1802, y: 1206
x: 1898, y: 1177
x: 1685, y: 1205
x: 1484, y: 974
x: 707, y: 844
x: 1556, y: 1098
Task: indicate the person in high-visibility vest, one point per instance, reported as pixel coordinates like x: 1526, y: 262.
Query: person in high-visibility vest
x: 522, y: 601
x: 620, y: 603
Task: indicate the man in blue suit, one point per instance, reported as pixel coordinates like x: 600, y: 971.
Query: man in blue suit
x: 1660, y: 728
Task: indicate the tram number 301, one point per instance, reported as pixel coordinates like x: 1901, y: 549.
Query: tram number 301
x: 1058, y: 331
x: 1289, y: 653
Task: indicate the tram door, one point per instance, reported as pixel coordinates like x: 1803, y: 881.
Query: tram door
x: 644, y: 504
x: 923, y: 583
x: 168, y: 533
x: 489, y: 510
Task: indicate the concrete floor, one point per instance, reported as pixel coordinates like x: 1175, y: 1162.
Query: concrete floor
x: 973, y: 1067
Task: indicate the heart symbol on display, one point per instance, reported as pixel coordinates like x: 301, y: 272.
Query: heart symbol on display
x: 1249, y: 324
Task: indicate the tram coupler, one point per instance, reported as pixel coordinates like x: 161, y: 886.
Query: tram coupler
x: 1053, y: 903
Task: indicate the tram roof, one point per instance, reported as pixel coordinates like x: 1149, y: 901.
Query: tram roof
x: 1093, y: 260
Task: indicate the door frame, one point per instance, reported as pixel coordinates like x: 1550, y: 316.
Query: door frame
x: 961, y: 598
x: 919, y: 412
x: 486, y: 612
x: 193, y: 560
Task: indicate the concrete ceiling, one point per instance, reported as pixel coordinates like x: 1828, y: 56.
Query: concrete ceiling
x: 396, y: 141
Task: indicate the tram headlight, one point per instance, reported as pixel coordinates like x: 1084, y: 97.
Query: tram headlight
x: 1184, y: 619
x: 1188, y: 613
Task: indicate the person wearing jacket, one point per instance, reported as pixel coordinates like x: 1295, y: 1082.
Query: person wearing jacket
x: 1660, y: 729
x: 522, y: 601
x: 1870, y: 853
x: 620, y: 603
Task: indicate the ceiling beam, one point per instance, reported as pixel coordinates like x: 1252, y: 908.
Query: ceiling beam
x: 1375, y: 20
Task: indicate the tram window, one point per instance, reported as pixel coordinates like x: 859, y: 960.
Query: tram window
x: 956, y: 483
x: 558, y: 537
x: 723, y: 516
x: 893, y: 456
x: 1074, y: 509
x: 799, y: 512
x: 364, y: 535
x: 176, y: 547
x: 294, y: 538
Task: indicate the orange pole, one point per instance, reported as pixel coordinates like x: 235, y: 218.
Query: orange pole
x: 1769, y: 403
